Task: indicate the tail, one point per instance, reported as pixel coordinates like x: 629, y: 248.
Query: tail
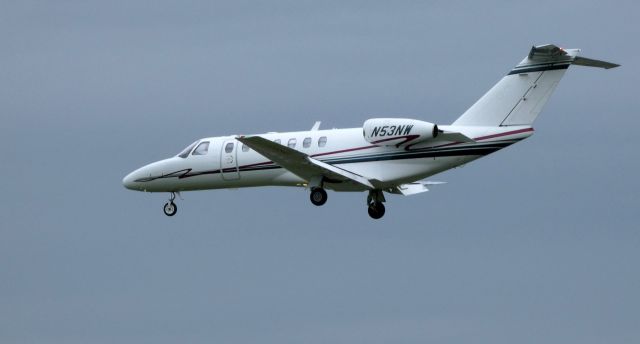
x: 519, y: 97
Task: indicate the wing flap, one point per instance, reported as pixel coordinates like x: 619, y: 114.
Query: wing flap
x: 414, y: 188
x: 334, y: 172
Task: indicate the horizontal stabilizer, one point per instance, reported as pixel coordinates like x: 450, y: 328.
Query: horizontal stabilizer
x: 547, y: 52
x: 583, y: 61
x: 553, y: 53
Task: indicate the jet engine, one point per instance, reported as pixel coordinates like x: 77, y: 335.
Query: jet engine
x: 398, y: 131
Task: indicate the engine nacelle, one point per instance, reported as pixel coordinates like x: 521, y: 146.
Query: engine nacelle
x: 398, y: 131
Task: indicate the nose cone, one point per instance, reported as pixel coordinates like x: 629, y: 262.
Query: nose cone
x: 138, y: 179
x: 129, y: 181
x: 145, y: 178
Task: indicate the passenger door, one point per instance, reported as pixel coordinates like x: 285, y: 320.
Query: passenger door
x: 229, y: 161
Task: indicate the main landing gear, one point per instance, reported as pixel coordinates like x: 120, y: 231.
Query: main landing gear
x: 171, y: 208
x: 318, y: 196
x: 376, y: 210
x: 375, y: 207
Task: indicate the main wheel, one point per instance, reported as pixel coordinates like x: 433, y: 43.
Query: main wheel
x: 376, y: 210
x: 170, y: 208
x: 318, y: 196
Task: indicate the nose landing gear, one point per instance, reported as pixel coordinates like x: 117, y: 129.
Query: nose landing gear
x: 171, y: 208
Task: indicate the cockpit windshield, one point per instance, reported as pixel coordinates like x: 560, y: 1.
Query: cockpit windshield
x: 202, y: 149
x: 185, y: 152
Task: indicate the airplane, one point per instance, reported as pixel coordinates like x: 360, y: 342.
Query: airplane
x: 385, y: 155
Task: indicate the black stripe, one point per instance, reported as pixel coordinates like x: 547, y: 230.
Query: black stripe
x: 421, y: 152
x: 259, y: 168
x: 542, y: 64
x: 482, y: 149
x: 538, y: 69
x: 477, y: 151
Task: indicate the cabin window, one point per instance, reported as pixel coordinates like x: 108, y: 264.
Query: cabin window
x: 202, y: 148
x: 185, y: 152
x: 228, y: 148
x: 306, y: 143
x: 292, y: 143
x: 322, y: 141
x: 245, y: 148
x: 277, y: 141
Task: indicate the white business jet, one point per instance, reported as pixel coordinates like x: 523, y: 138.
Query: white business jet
x: 390, y: 155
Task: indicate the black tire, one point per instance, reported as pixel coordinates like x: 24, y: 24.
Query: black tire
x: 170, y: 209
x: 376, y: 210
x: 318, y: 196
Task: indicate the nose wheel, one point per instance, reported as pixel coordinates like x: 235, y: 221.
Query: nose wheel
x: 171, y: 208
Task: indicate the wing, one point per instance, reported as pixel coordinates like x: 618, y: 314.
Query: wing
x: 301, y: 164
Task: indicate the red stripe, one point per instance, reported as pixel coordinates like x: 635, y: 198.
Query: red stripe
x: 315, y: 155
x: 257, y: 164
x: 489, y: 137
x: 504, y: 134
x: 344, y: 150
x: 373, y: 146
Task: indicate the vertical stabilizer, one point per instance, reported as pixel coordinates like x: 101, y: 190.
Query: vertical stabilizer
x: 518, y: 98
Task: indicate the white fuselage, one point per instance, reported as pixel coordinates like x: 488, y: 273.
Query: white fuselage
x: 227, y: 165
x: 389, y: 155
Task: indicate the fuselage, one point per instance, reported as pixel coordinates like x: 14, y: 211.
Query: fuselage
x: 224, y: 162
x: 385, y: 155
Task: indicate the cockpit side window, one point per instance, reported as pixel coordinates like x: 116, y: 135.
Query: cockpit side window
x: 202, y: 148
x: 185, y: 152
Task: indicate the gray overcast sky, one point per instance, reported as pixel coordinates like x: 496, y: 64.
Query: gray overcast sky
x: 538, y: 243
